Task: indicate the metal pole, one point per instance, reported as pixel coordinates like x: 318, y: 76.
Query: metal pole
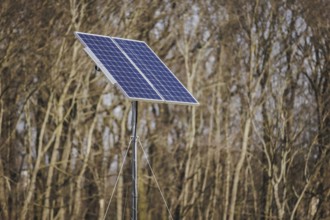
x: 134, y: 162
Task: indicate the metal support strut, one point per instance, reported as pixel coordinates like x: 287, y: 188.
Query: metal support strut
x: 134, y: 162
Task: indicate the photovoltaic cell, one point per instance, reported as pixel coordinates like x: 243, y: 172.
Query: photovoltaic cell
x: 155, y: 70
x: 136, y: 69
x: 112, y: 61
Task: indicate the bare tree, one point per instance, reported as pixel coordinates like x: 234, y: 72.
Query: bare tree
x: 257, y: 147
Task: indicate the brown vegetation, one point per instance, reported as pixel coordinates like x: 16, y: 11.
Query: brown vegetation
x: 258, y: 146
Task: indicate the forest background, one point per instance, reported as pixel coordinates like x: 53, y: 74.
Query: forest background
x: 257, y: 147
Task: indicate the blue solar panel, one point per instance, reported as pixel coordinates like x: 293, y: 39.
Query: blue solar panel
x: 135, y: 69
x: 116, y: 66
x: 163, y: 80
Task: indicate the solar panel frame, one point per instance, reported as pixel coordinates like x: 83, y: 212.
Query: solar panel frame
x: 112, y: 79
x: 164, y: 65
x: 110, y: 76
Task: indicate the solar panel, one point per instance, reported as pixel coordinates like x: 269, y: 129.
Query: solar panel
x: 135, y: 69
x: 170, y: 88
x: 117, y: 67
